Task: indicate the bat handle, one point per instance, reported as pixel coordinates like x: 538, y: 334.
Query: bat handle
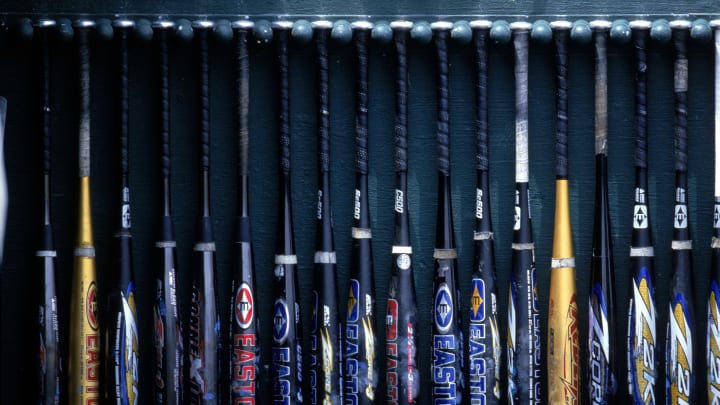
x: 442, y: 31
x: 401, y: 31
x: 281, y: 31
x: 562, y: 32
x: 640, y: 33
x: 242, y: 30
x: 362, y: 32
x: 681, y: 31
x: 481, y: 29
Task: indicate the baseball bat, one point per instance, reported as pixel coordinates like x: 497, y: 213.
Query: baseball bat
x: 713, y: 314
x: 204, y: 322
x: 679, y: 371
x: 244, y: 328
x: 523, y: 341
x: 49, y: 359
x: 84, y: 341
x: 361, y: 368
x: 642, y: 312
x: 325, y: 328
x: 287, y: 328
x: 402, y: 376
x: 602, y: 377
x: 167, y: 327
x: 484, y: 347
x: 120, y: 378
x: 447, y: 382
x: 563, y: 334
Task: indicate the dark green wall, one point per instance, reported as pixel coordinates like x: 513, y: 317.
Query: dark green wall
x: 23, y: 148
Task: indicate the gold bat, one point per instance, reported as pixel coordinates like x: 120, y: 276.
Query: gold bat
x: 84, y: 356
x: 563, y: 354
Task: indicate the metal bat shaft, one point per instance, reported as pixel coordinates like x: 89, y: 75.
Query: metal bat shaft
x: 523, y: 345
x: 680, y: 375
x: 167, y: 325
x: 287, y: 327
x: 84, y: 337
x: 204, y: 323
x: 244, y: 328
x: 713, y: 308
x: 563, y: 351
x: 402, y: 377
x: 642, y: 329
x: 121, y: 361
x: 361, y: 368
x: 484, y: 361
x: 447, y: 382
x: 325, y: 330
x: 602, y: 378
x: 48, y: 356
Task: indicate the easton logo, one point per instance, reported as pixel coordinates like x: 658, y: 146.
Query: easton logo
x: 680, y: 216
x: 280, y: 321
x: 443, y: 309
x: 477, y: 301
x: 716, y: 217
x: 244, y: 306
x: 640, y: 218
x: 91, y: 306
x: 353, y: 310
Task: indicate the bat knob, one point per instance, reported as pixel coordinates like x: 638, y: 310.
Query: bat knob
x: 382, y: 32
x: 64, y: 29
x: 223, y: 31
x: 24, y: 29
x: 541, y: 32
x: 302, y: 31
x: 660, y: 31
x: 104, y: 29
x: 341, y: 32
x: 461, y: 32
x: 500, y: 32
x: 701, y: 30
x: 263, y: 31
x: 421, y: 32
x: 620, y: 31
x: 183, y: 30
x: 143, y: 30
x: 581, y: 32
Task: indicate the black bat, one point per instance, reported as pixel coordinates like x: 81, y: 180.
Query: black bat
x: 523, y: 344
x: 680, y: 375
x: 642, y: 332
x: 49, y: 358
x: 361, y: 368
x: 402, y: 376
x: 167, y: 326
x: 287, y: 328
x: 244, y: 327
x: 713, y: 315
x: 563, y: 332
x: 484, y: 348
x: 120, y: 378
x: 602, y: 376
x: 204, y: 323
x: 325, y: 329
x: 447, y: 382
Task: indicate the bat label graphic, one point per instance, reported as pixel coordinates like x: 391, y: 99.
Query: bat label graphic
x: 599, y: 344
x: 680, y: 342
x: 91, y: 306
x: 643, y: 363
x: 244, y: 306
x: 443, y: 309
x: 244, y: 374
x: 280, y: 321
x: 713, y: 356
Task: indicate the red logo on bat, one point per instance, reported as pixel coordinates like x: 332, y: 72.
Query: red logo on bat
x: 244, y: 306
x: 91, y: 306
x: 391, y: 321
